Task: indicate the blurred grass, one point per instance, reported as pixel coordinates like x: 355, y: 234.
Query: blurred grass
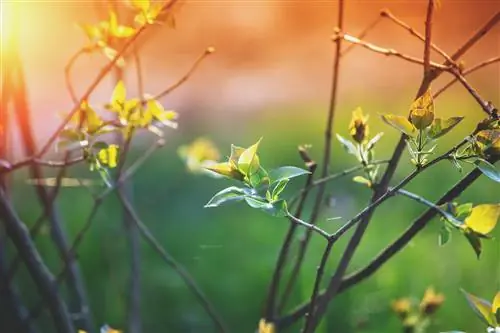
x: 231, y: 251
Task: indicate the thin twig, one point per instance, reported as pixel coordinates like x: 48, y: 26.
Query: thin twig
x: 67, y: 74
x: 362, y: 35
x: 467, y: 72
x: 310, y: 226
x: 169, y: 260
x: 207, y: 52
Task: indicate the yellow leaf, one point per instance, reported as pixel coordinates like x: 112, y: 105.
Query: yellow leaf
x: 480, y: 306
x: 109, y: 156
x: 422, y: 111
x: 111, y: 54
x: 496, y: 303
x: 142, y: 5
x: 483, y: 218
x: 442, y: 126
x: 358, y: 128
x: 400, y: 123
x: 200, y: 153
x: 489, y: 140
x: 118, y: 96
x: 362, y: 180
x: 248, y: 162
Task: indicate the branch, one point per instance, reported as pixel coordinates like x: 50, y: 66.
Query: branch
x: 311, y: 227
x: 387, y: 14
x: 18, y: 233
x: 285, y: 247
x: 362, y: 35
x: 170, y: 261
x: 386, y: 51
x: 67, y: 74
x: 327, y: 145
x: 186, y: 76
x: 428, y: 34
x: 467, y: 72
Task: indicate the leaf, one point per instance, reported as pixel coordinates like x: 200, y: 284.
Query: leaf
x: 483, y: 218
x: 235, y: 155
x: 480, y: 306
x: 422, y: 111
x: 488, y: 169
x: 475, y: 242
x: 400, y: 123
x: 440, y: 127
x: 362, y: 180
x: 230, y: 194
x: 495, y: 307
x: 225, y: 169
x: 118, y: 96
x: 277, y: 209
x: 348, y: 145
x: 142, y: 5
x: 371, y: 144
x: 248, y: 162
x: 463, y: 209
x: 444, y: 236
x: 111, y: 54
x: 286, y: 172
x: 259, y: 178
x: 278, y: 188
x: 109, y: 156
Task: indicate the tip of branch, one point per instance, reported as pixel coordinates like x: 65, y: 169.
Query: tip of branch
x: 4, y: 165
x: 210, y: 50
x: 384, y: 12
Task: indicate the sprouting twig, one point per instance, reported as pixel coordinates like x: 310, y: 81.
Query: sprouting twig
x: 310, y: 226
x: 467, y: 72
x: 208, y: 51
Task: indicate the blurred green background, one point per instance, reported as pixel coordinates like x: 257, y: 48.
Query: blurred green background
x: 270, y: 78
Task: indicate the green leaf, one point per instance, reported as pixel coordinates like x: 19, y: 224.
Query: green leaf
x: 230, y: 194
x: 463, y: 209
x: 475, y: 242
x: 441, y: 126
x: 483, y: 218
x: 278, y: 188
x: 278, y: 208
x: 371, y: 144
x: 348, y: 145
x: 259, y: 178
x: 248, y: 162
x: 286, y: 172
x: 480, y: 306
x: 488, y: 169
x: 400, y: 123
x: 444, y: 236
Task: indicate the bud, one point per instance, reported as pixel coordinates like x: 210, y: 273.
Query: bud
x: 431, y: 302
x: 358, y: 128
x: 402, y: 307
x: 422, y: 111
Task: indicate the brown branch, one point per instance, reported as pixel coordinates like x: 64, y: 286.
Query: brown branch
x: 186, y: 76
x: 467, y: 72
x: 67, y: 74
x: 386, y: 51
x: 387, y: 14
x: 362, y: 35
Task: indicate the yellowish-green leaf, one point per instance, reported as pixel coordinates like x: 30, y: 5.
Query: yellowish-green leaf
x: 225, y: 169
x: 400, y: 123
x: 266, y: 327
x: 235, y: 155
x: 480, y: 306
x: 248, y: 162
x: 111, y: 54
x: 495, y: 307
x: 362, y: 180
x: 118, y: 97
x: 483, y: 218
x: 442, y: 126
